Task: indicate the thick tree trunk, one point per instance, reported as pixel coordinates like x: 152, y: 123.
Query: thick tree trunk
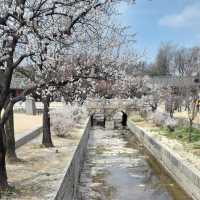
x: 3, y: 173
x: 10, y: 139
x: 46, y: 140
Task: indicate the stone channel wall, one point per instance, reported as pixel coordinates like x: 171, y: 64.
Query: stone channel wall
x: 25, y: 138
x: 183, y: 173
x: 68, y: 186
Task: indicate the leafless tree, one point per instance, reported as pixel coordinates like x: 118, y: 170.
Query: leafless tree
x: 187, y: 62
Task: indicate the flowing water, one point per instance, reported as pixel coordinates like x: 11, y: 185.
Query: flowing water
x: 117, y: 168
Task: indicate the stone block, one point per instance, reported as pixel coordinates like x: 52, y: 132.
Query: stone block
x: 30, y: 106
x: 110, y: 125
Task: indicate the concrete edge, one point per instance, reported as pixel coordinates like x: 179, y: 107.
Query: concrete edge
x: 183, y: 173
x: 67, y: 188
x: 28, y: 137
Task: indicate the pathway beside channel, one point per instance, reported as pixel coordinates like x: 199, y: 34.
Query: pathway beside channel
x: 117, y: 169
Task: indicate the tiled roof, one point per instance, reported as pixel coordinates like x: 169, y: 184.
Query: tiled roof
x: 20, y: 83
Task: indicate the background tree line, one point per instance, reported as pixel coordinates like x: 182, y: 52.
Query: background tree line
x: 174, y: 60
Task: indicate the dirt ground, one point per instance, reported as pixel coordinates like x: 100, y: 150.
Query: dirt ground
x: 38, y: 176
x: 183, y: 114
x: 24, y: 122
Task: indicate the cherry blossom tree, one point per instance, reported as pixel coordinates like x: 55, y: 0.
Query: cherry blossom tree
x: 78, y: 67
x: 29, y: 28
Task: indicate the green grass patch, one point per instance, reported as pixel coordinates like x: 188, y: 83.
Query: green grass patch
x: 182, y: 134
x: 136, y: 118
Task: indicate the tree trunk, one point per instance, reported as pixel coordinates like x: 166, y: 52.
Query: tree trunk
x: 10, y: 139
x: 190, y: 130
x: 46, y: 140
x: 3, y: 173
x: 171, y: 113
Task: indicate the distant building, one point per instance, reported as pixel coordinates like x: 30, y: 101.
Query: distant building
x: 18, y: 85
x: 174, y: 81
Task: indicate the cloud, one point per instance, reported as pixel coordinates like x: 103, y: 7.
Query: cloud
x: 189, y: 17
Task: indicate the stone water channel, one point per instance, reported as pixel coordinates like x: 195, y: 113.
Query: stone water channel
x: 118, y: 168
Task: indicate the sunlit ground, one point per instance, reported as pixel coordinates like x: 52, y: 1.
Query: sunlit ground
x: 183, y: 114
x: 24, y: 122
x: 41, y: 170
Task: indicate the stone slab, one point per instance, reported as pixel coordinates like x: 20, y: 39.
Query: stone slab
x: 109, y: 125
x: 68, y: 187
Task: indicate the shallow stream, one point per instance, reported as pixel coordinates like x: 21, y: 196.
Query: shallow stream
x: 118, y: 168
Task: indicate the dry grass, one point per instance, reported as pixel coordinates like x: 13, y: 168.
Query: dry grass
x: 189, y: 152
x: 24, y: 122
x: 183, y: 114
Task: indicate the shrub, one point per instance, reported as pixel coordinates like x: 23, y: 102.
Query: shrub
x: 159, y: 118
x: 171, y: 124
x: 164, y: 120
x: 65, y: 118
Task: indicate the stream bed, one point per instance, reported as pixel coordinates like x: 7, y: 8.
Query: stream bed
x: 118, y: 168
